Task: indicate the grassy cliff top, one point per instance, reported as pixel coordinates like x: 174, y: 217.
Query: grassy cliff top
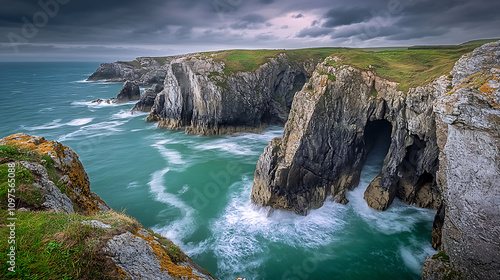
x: 409, y: 67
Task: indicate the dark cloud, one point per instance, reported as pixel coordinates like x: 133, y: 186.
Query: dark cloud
x: 251, y: 21
x: 182, y: 25
x: 346, y: 16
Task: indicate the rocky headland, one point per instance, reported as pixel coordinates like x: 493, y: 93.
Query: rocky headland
x: 436, y: 108
x: 68, y: 231
x: 443, y: 154
x: 217, y: 93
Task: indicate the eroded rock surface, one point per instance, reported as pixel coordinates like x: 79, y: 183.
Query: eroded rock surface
x: 328, y: 134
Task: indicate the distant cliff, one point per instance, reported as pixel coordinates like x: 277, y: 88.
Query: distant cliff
x: 67, y: 231
x: 444, y: 149
x: 221, y: 92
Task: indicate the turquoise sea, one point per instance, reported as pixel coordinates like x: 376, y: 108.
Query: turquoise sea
x: 195, y: 190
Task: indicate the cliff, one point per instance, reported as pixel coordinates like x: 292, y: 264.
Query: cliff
x: 333, y: 122
x: 443, y: 150
x: 65, y: 231
x: 468, y: 126
x: 201, y: 98
x: 220, y: 92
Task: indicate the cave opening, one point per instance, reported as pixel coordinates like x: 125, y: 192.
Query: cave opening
x: 377, y: 138
x: 298, y: 82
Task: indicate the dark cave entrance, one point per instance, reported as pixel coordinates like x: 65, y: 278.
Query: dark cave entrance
x: 377, y: 138
x: 298, y: 82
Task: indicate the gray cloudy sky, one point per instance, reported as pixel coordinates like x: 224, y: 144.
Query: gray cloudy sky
x: 108, y: 30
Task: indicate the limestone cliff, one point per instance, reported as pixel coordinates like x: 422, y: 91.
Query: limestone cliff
x: 83, y: 237
x: 202, y: 94
x: 443, y: 153
x: 199, y: 96
x: 468, y: 126
x: 144, y: 70
x: 329, y: 132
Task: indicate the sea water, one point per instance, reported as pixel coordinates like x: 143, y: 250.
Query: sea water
x: 195, y: 190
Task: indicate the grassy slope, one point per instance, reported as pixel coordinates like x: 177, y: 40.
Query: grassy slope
x: 410, y: 67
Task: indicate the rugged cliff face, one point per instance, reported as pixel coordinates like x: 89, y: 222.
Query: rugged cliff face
x: 468, y: 129
x: 444, y: 153
x: 200, y: 96
x: 72, y: 232
x: 146, y: 71
x: 329, y: 132
x: 219, y: 92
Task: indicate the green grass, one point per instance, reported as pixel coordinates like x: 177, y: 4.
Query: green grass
x: 330, y: 76
x: 410, y: 67
x: 249, y: 60
x: 58, y: 246
x: 133, y: 63
x: 15, y: 153
x: 172, y: 250
x: 479, y: 42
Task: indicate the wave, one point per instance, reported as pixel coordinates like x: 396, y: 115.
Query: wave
x: 399, y: 217
x: 171, y: 156
x: 95, y: 130
x: 238, y: 233
x: 124, y: 114
x: 176, y: 230
x: 91, y: 104
x: 79, y: 122
x: 227, y: 146
x: 51, y: 125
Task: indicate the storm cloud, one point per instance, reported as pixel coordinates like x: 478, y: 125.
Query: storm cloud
x: 112, y: 29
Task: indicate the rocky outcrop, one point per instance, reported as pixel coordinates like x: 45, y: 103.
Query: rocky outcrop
x: 146, y: 71
x: 147, y: 99
x: 50, y: 177
x: 332, y: 124
x: 469, y: 174
x: 129, y: 92
x: 67, y: 170
x: 444, y: 153
x: 199, y: 96
x: 141, y: 256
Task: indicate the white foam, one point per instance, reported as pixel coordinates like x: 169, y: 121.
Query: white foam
x: 170, y: 155
x: 49, y: 109
x: 125, y: 114
x: 80, y: 122
x: 415, y: 255
x: 133, y: 185
x: 176, y: 230
x: 184, y: 189
x: 226, y: 146
x: 91, y: 104
x: 51, y: 125
x: 238, y: 231
x: 95, y: 130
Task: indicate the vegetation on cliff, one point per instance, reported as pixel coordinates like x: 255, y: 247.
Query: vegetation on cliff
x: 64, y: 231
